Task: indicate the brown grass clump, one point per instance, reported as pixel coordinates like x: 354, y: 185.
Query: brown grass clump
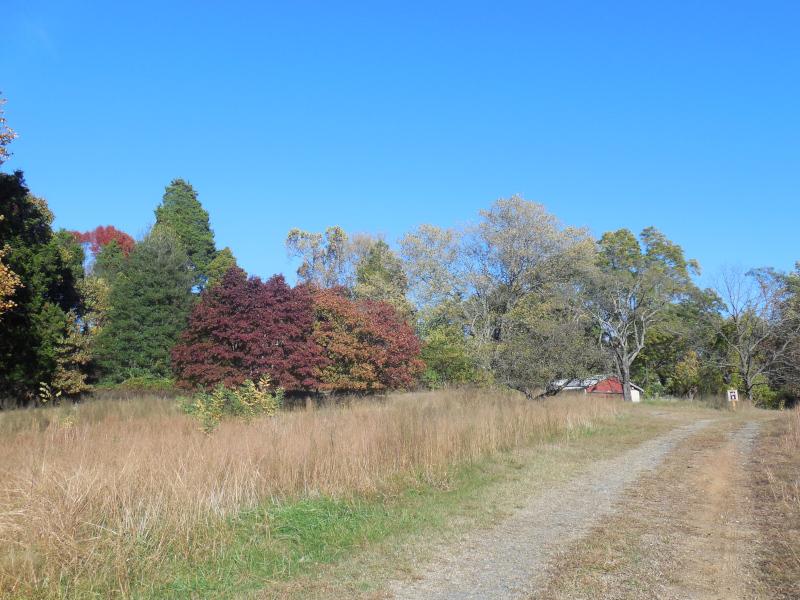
x: 83, y: 493
x: 785, y: 482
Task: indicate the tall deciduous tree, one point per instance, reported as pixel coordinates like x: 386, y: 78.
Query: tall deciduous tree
x: 368, y: 345
x: 546, y: 339
x: 324, y: 257
x: 761, y: 326
x: 149, y: 302
x: 634, y: 285
x: 686, y: 331
x: 790, y: 379
x: 328, y: 259
x: 245, y: 328
x: 181, y: 211
x: 524, y: 259
x: 481, y: 280
x: 434, y: 264
x: 380, y: 276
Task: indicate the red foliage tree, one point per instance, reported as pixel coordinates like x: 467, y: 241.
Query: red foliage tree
x: 245, y: 328
x: 102, y: 235
x: 368, y: 345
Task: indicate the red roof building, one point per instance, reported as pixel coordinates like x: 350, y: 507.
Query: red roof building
x: 601, y: 384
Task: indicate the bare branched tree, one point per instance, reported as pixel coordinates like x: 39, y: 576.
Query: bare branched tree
x: 328, y: 259
x: 761, y: 326
x: 7, y: 135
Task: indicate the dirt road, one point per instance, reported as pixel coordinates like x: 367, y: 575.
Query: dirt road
x: 667, y: 519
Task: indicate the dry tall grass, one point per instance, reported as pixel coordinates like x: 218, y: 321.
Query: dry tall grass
x: 790, y: 491
x: 82, y: 497
x: 793, y: 437
x: 776, y: 490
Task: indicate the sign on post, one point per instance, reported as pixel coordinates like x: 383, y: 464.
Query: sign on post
x: 733, y: 398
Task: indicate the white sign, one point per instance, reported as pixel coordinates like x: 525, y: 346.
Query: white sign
x: 733, y: 395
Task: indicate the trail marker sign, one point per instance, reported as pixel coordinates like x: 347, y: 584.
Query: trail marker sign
x: 733, y: 398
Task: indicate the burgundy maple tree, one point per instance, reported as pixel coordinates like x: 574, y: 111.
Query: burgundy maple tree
x: 245, y: 328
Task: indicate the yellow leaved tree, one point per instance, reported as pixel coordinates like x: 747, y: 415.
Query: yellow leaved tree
x: 9, y: 282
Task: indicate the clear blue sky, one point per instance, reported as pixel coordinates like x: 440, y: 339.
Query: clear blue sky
x: 380, y: 116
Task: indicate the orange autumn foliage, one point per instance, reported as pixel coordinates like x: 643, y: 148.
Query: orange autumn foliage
x: 367, y: 343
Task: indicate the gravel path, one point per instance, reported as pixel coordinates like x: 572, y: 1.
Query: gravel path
x: 505, y: 560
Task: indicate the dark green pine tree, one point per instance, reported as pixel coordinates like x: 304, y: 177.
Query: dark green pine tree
x: 181, y: 211
x: 149, y: 303
x: 109, y: 261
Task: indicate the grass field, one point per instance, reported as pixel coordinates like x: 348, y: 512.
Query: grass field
x: 776, y: 487
x: 130, y: 499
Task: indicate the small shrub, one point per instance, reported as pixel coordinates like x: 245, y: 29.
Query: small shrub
x: 139, y: 384
x: 764, y: 396
x: 431, y: 379
x: 245, y: 402
x: 654, y: 390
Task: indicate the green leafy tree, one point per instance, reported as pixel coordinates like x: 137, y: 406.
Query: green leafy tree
x: 222, y: 263
x: 49, y: 268
x: 635, y: 283
x: 433, y: 261
x: 447, y: 358
x: 380, y: 276
x: 148, y: 307
x: 686, y: 376
x: 181, y: 211
x: 546, y: 339
x: 688, y: 326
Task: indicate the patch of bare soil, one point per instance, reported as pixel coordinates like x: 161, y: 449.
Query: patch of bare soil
x: 685, y: 531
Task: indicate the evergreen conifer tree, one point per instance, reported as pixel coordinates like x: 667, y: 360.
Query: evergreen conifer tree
x: 149, y: 302
x: 181, y: 211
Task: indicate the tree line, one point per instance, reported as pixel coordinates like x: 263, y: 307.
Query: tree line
x: 515, y: 298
